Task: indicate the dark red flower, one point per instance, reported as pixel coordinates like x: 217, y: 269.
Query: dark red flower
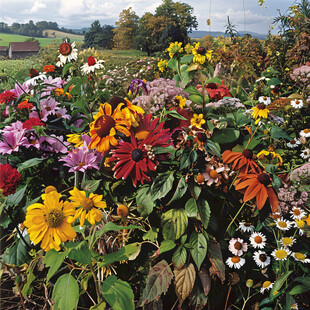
x: 9, y: 179
x: 91, y: 61
x: 65, y: 49
x: 7, y: 96
x: 216, y: 91
x: 31, y: 122
x: 33, y: 73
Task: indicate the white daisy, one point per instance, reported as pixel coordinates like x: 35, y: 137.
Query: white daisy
x: 300, y: 257
x: 287, y: 241
x: 281, y: 254
x: 297, y: 103
x: 235, y: 262
x: 261, y: 259
x: 258, y: 240
x: 34, y: 81
x: 237, y: 246
x: 297, y: 213
x: 305, y: 154
x: 283, y: 224
x: 267, y: 285
x: 294, y: 143
x: 68, y: 52
x: 300, y: 224
x: 305, y: 133
x: 91, y: 65
x: 260, y: 79
x: 246, y: 227
x: 294, y: 306
x: 264, y: 99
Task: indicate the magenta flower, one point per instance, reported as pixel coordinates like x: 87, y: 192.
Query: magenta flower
x: 12, y: 138
x: 54, y: 144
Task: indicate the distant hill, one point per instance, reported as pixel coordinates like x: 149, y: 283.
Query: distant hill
x: 55, y: 34
x: 198, y: 34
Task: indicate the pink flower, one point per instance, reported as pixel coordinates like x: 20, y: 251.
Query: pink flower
x: 237, y: 246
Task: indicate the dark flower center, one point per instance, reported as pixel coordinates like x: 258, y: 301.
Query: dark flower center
x: 264, y: 178
x: 103, y: 125
x: 238, y: 245
x: 202, y: 137
x: 263, y: 257
x: 247, y: 224
x: 248, y: 153
x: 211, y: 85
x: 115, y: 101
x: 261, y: 106
x: 55, y: 218
x: 201, y: 50
x: 65, y: 49
x: 91, y: 61
x: 136, y: 154
x: 87, y: 203
x: 33, y: 73
x: 293, y: 142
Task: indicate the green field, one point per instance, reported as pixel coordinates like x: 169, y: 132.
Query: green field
x: 55, y: 34
x: 5, y: 39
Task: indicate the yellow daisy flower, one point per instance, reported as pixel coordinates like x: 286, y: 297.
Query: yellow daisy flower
x: 162, y: 65
x: 87, y: 207
x: 174, y: 48
x: 48, y: 222
x: 181, y: 101
x: 103, y: 128
x: 188, y: 48
x: 197, y: 120
x: 200, y: 54
x: 270, y: 157
x: 260, y: 111
x: 75, y: 139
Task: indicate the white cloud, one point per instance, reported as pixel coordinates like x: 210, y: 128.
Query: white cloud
x: 35, y: 7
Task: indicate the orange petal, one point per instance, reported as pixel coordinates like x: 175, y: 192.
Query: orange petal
x: 274, y: 203
x: 252, y: 191
x: 261, y: 197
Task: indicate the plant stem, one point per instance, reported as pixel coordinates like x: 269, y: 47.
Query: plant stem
x: 235, y: 216
x: 98, y: 293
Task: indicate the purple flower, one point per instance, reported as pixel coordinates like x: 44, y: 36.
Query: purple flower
x: 12, y: 138
x: 20, y: 89
x: 53, y: 144
x: 135, y: 85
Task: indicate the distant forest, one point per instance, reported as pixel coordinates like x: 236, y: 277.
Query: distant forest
x: 32, y: 29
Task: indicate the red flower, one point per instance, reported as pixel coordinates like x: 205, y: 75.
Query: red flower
x: 91, y: 61
x: 9, y: 179
x: 25, y: 105
x: 216, y: 91
x: 7, y: 96
x: 31, y: 122
x: 136, y: 159
x: 33, y: 73
x: 49, y: 68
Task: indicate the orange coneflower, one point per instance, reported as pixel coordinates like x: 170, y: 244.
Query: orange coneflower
x: 241, y: 160
x: 258, y: 186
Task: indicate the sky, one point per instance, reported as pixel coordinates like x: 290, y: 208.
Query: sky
x: 75, y: 14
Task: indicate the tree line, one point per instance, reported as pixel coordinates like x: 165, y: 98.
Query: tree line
x: 171, y: 22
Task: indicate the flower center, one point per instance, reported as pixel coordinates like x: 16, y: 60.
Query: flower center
x: 300, y: 224
x: 122, y: 210
x: 281, y: 254
x: 91, y: 61
x: 247, y: 224
x: 296, y: 212
x: 265, y: 98
x: 287, y: 241
x: 293, y: 141
x: 300, y: 256
x: 238, y: 245
x: 264, y: 178
x: 81, y: 164
x: 258, y: 239
x: 211, y: 85
x: 201, y: 50
x: 213, y: 174
x: 200, y: 178
x: 136, y: 154
x: 65, y: 49
x: 247, y: 153
x: 282, y: 224
x: 87, y: 203
x: 261, y: 106
x: 33, y: 73
x: 103, y: 125
x: 141, y: 135
x: 55, y: 218
x: 262, y: 257
x: 306, y: 130
x: 235, y: 259
x: 266, y: 284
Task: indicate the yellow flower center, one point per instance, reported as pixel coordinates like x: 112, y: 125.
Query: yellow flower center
x: 213, y: 174
x: 122, y: 210
x: 87, y: 203
x: 281, y: 254
x: 81, y: 164
x: 300, y: 256
x: 200, y: 178
x: 282, y: 224
x: 141, y: 135
x: 238, y: 245
x: 55, y: 218
x: 103, y: 125
x: 266, y: 284
x: 306, y: 130
x: 300, y: 224
x: 258, y: 239
x: 235, y: 259
x: 287, y: 241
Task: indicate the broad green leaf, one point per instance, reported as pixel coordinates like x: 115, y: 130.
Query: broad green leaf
x: 174, y: 223
x: 213, y: 148
x: 204, y: 212
x: 157, y: 282
x: 118, y: 293
x: 216, y: 259
x: 180, y: 190
x: 66, y: 293
x: 197, y: 299
x: 54, y: 259
x: 162, y: 185
x: 166, y: 246
x: 145, y: 203
x: 191, y: 208
x: 289, y: 301
x: 192, y: 90
x: 173, y: 64
x: 194, y: 189
x: 174, y: 114
x: 196, y: 99
x: 16, y: 198
x: 189, y: 156
x: 277, y: 133
x: 101, y: 306
x: 179, y: 257
x: 278, y: 284
x: 66, y: 68
x: 187, y: 59
x: 29, y: 163
x: 303, y: 280
x: 225, y: 135
x: 81, y: 253
x: 265, y: 301
x: 90, y: 185
x: 30, y: 278
x: 151, y: 234
x: 299, y: 289
x: 199, y: 248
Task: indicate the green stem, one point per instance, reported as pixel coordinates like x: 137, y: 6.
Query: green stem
x: 235, y: 216
x: 98, y: 293
x: 76, y: 179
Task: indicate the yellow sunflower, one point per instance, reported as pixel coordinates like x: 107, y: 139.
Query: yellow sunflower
x: 200, y: 54
x: 76, y: 139
x: 270, y: 157
x: 103, y: 128
x: 260, y: 111
x: 87, y: 206
x: 48, y: 222
x: 174, y: 48
x: 197, y: 120
x: 162, y: 65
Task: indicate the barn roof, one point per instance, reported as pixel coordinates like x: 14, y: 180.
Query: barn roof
x: 24, y: 46
x: 3, y: 48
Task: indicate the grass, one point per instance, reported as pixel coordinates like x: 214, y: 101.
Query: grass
x: 54, y: 34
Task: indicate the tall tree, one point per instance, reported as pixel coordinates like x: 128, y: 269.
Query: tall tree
x: 126, y: 29
x: 99, y: 37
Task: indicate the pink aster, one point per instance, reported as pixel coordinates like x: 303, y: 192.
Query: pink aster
x: 11, y: 141
x: 237, y: 246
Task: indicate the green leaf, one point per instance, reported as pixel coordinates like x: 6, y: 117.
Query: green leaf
x: 174, y: 223
x: 265, y: 301
x: 299, y: 289
x: 196, y: 99
x: 162, y: 185
x: 277, y: 133
x: 29, y: 163
x: 90, y: 185
x: 173, y: 64
x: 66, y: 68
x: 199, y: 248
x: 30, y: 278
x: 303, y: 280
x: 216, y: 259
x: 66, y: 293
x: 204, y: 212
x: 187, y: 59
x: 81, y: 253
x: 192, y: 90
x: 191, y: 208
x: 193, y: 67
x: 157, y: 282
x: 189, y: 156
x: 179, y: 257
x: 180, y: 190
x: 213, y: 148
x: 225, y: 135
x: 145, y: 203
x: 174, y: 114
x: 194, y: 189
x: 123, y: 254
x: 16, y: 198
x: 118, y: 293
x: 151, y: 234
x: 278, y: 284
x: 54, y: 259
x: 101, y: 306
x: 166, y: 246
x: 289, y: 301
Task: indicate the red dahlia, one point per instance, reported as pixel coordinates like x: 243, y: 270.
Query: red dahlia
x: 7, y: 96
x: 9, y: 179
x: 31, y: 122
